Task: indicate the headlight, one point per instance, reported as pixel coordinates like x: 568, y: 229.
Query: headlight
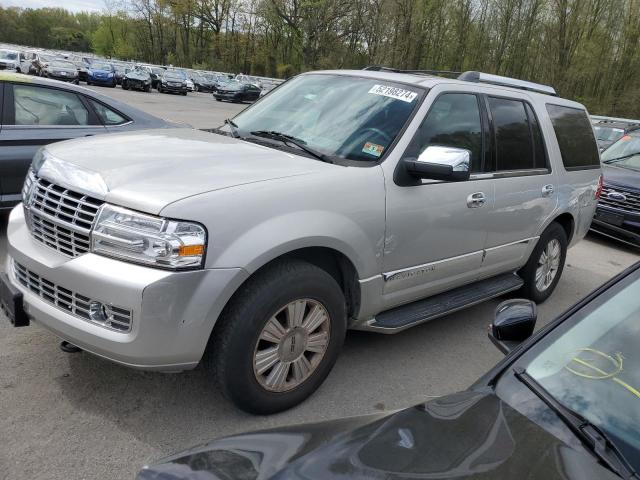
x: 147, y: 239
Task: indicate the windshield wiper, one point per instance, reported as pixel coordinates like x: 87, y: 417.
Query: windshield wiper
x: 623, y: 157
x: 591, y: 436
x: 232, y: 127
x: 288, y: 139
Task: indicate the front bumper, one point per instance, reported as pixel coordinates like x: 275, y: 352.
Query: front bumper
x: 62, y: 78
x: 173, y: 313
x: 102, y: 81
x: 619, y: 224
x: 227, y: 96
x: 173, y: 88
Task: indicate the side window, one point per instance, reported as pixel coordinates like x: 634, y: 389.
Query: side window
x: 539, y: 152
x: 106, y: 115
x: 453, y: 121
x: 513, y: 142
x: 575, y: 137
x: 45, y: 106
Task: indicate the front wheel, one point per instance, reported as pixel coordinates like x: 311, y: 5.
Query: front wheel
x: 279, y: 337
x: 542, y: 272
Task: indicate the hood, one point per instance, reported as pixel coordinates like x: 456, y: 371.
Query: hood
x: 231, y: 86
x: 469, y: 435
x: 62, y: 69
x: 149, y: 169
x: 620, y: 176
x: 97, y: 70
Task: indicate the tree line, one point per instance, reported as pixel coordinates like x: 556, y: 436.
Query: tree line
x: 589, y: 50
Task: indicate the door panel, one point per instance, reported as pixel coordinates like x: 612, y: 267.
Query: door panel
x: 436, y: 232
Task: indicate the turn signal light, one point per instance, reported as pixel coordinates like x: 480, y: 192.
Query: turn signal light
x: 191, y: 250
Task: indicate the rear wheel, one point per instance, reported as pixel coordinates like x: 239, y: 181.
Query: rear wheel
x: 279, y: 337
x: 124, y: 85
x: 542, y: 272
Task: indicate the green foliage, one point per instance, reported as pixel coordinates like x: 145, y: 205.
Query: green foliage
x: 588, y: 49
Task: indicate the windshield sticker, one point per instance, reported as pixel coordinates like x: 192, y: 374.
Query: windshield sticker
x: 394, y: 92
x: 373, y: 149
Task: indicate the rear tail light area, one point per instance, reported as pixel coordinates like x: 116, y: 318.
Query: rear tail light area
x: 599, y: 187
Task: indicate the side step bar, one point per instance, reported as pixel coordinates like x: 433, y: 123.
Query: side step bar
x: 405, y: 316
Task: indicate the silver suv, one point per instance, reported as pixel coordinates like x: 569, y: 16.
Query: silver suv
x: 370, y: 200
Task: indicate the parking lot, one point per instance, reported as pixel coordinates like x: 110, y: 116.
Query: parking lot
x: 76, y: 416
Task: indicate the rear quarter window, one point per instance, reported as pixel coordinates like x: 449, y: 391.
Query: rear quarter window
x: 575, y: 137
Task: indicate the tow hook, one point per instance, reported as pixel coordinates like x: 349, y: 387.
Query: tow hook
x: 67, y: 347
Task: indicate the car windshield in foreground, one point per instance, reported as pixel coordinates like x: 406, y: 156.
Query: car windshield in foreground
x: 101, y: 66
x: 608, y: 134
x: 339, y: 116
x: 8, y: 55
x: 593, y: 367
x: 624, y: 153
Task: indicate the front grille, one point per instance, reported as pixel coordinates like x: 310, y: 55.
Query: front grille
x: 61, y: 218
x: 631, y: 203
x: 108, y: 316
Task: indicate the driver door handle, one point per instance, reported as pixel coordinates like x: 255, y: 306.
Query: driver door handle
x: 476, y: 200
x: 547, y: 190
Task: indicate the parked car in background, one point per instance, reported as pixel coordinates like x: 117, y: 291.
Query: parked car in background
x: 9, y: 60
x: 27, y: 59
x: 173, y: 81
x: 120, y: 70
x: 102, y: 74
x: 137, y: 79
x: 220, y: 81
x: 40, y: 62
x: 203, y: 82
x: 559, y: 406
x: 235, y: 91
x: 618, y: 213
x: 370, y: 200
x: 39, y: 111
x: 156, y: 73
x: 63, y: 70
x: 610, y: 130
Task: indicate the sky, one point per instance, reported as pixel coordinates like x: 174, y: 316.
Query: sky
x: 73, y: 5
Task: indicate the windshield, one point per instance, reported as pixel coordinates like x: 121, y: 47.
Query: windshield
x: 174, y: 75
x: 624, y: 153
x: 341, y: 116
x: 62, y: 64
x: 8, y: 55
x: 593, y: 368
x: 608, y: 134
x: 101, y: 66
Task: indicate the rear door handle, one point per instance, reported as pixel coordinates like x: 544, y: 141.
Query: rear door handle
x: 547, y: 190
x: 476, y: 200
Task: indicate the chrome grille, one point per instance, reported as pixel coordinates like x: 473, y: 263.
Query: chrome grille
x: 115, y: 318
x: 631, y: 203
x: 61, y: 218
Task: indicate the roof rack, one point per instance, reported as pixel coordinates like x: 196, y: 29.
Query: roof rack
x: 441, y: 73
x: 480, y: 77
x: 603, y: 119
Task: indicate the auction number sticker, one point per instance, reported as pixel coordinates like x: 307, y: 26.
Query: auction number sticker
x: 394, y: 92
x: 373, y: 149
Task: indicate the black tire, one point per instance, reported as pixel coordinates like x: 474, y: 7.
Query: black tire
x: 124, y: 86
x: 528, y: 272
x: 218, y: 99
x: 147, y: 88
x: 231, y: 348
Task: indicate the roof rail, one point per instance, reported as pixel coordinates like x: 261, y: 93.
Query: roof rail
x: 603, y: 119
x: 441, y: 73
x: 480, y: 77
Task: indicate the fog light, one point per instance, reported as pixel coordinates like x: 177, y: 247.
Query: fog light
x: 98, y: 312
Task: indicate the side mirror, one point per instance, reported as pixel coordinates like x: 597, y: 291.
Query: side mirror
x: 441, y: 163
x: 514, y: 323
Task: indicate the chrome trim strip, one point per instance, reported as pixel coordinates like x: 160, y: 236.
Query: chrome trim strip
x: 510, y: 173
x: 524, y: 240
x: 388, y: 275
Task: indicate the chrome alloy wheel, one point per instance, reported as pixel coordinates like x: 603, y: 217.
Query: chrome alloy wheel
x: 548, y: 265
x: 291, y: 345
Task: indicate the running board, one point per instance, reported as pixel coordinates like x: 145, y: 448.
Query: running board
x: 405, y: 316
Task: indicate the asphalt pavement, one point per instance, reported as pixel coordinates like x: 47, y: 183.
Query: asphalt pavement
x: 75, y: 416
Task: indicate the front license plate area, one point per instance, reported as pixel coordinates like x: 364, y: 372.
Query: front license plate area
x: 610, y: 217
x: 11, y: 302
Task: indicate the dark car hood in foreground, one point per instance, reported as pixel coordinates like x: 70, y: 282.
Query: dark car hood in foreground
x: 623, y: 177
x: 468, y: 435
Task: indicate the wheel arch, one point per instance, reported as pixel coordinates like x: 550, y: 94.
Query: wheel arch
x: 568, y: 223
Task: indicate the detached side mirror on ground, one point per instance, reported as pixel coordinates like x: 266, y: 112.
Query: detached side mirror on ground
x: 514, y: 323
x: 440, y: 163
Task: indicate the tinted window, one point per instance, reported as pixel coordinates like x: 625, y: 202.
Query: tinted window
x: 46, y: 106
x: 106, y: 115
x: 575, y: 137
x: 539, y: 152
x: 514, y: 146
x: 453, y: 121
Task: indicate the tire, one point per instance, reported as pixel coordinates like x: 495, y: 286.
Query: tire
x: 147, y: 88
x: 218, y: 99
x: 124, y: 86
x: 552, y: 239
x: 88, y: 83
x: 184, y: 93
x: 236, y: 339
